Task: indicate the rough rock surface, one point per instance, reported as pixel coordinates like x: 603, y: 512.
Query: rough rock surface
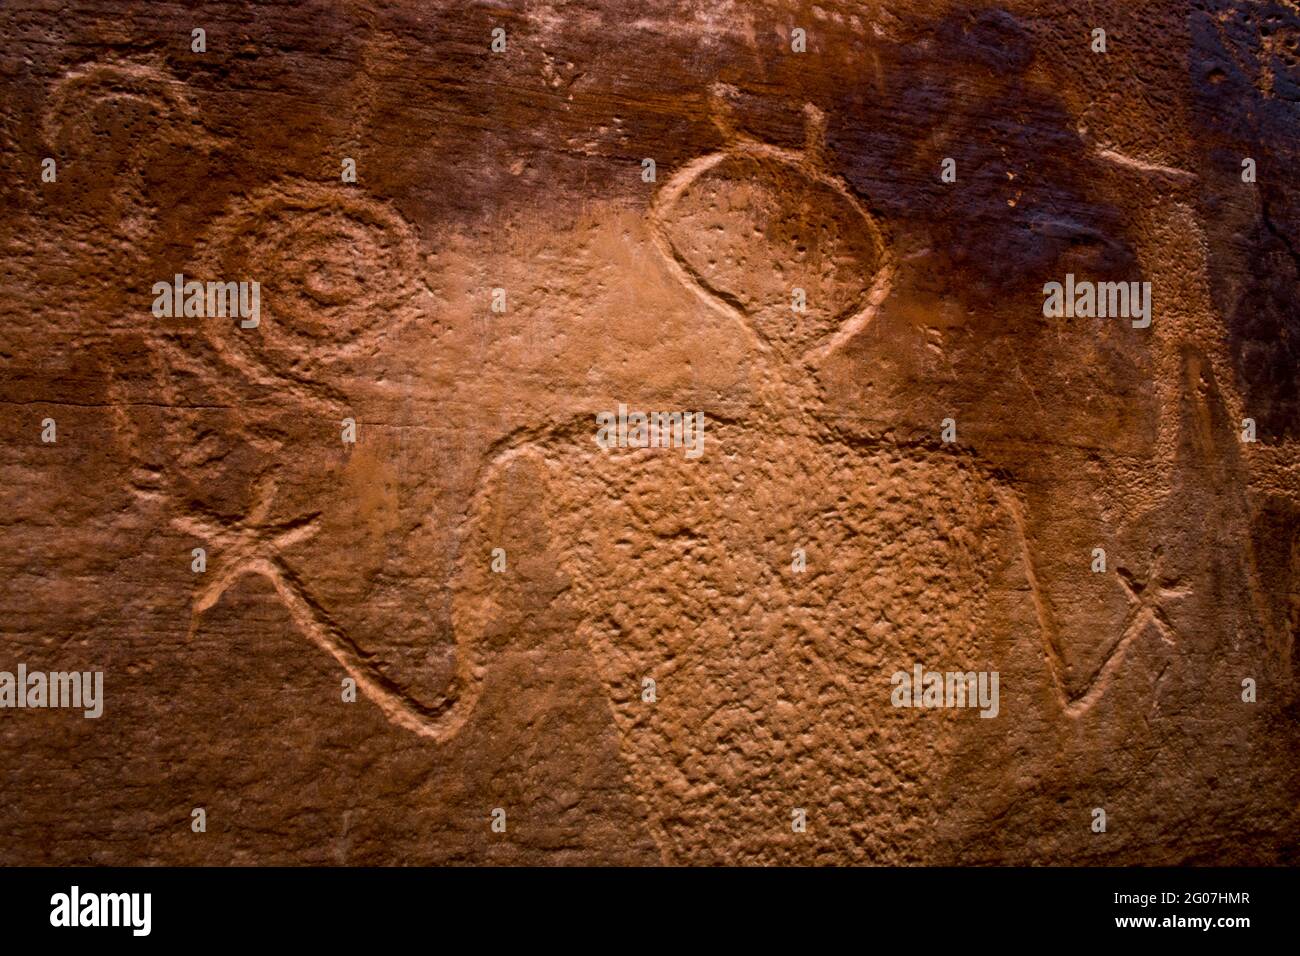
x: 515, y: 680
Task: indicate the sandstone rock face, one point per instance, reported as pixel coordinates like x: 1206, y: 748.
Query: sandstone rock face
x: 380, y: 570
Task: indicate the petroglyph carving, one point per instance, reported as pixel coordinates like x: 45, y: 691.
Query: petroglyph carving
x: 641, y: 652
x: 769, y: 681
x: 254, y: 546
x: 745, y: 225
x: 771, y: 684
x: 343, y: 273
x: 347, y: 274
x: 107, y: 122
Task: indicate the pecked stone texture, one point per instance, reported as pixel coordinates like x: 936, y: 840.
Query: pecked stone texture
x: 499, y: 586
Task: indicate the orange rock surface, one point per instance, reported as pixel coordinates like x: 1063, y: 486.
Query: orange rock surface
x: 438, y: 619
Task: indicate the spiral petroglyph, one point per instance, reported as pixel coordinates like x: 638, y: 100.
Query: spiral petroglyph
x: 341, y: 275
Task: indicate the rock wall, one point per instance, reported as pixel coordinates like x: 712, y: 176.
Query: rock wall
x: 368, y: 546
